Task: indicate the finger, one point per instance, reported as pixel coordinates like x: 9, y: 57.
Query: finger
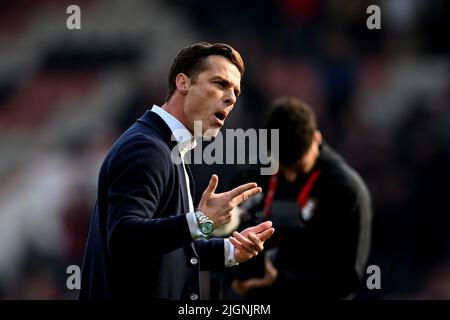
x: 246, y: 195
x: 213, y: 182
x: 241, y: 189
x: 269, y: 265
x: 245, y: 254
x: 259, y: 228
x: 247, y: 284
x: 256, y: 241
x: 266, y: 234
x: 236, y: 243
x: 241, y: 286
x: 246, y: 243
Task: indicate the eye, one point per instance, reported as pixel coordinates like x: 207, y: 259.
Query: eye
x: 222, y: 84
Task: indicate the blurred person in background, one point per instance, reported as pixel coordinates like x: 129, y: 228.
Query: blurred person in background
x: 146, y: 239
x: 322, y: 212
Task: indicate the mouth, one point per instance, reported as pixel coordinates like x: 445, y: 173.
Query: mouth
x: 220, y: 117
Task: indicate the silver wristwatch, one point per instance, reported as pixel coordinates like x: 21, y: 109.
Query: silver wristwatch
x: 206, y: 224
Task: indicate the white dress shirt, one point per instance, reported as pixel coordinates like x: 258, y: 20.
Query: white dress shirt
x: 187, y: 142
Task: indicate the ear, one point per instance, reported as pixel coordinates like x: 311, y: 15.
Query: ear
x: 182, y: 82
x: 318, y: 137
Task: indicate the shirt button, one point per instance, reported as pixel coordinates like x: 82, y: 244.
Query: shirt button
x: 193, y: 296
x: 194, y: 261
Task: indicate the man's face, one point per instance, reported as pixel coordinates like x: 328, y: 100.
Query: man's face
x: 211, y: 95
x: 305, y: 163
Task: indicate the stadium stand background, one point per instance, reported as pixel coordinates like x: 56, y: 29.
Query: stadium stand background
x: 382, y: 99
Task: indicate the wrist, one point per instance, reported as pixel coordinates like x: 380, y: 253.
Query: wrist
x: 205, y: 224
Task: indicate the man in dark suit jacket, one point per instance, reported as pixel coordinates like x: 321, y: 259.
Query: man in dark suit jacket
x: 146, y: 240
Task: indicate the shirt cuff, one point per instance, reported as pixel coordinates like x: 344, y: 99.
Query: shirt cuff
x: 194, y: 229
x: 230, y: 261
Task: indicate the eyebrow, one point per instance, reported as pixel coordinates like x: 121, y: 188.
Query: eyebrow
x: 229, y: 83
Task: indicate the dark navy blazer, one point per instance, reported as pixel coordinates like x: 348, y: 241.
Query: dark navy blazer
x: 139, y: 243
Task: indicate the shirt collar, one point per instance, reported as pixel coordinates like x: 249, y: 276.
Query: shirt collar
x: 183, y: 136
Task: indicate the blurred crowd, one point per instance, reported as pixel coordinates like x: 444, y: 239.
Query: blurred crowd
x: 381, y: 97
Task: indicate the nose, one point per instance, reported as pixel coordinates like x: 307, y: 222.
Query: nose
x: 230, y: 98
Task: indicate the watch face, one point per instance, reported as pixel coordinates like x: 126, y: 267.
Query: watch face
x: 207, y: 227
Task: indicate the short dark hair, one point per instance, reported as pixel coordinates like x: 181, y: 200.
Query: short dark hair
x: 296, y: 122
x: 190, y: 61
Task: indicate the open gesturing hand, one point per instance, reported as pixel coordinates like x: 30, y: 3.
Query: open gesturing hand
x: 219, y: 206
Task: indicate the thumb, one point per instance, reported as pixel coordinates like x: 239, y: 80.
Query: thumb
x: 212, y: 184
